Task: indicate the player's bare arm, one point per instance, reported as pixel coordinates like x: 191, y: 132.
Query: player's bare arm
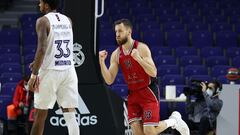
x: 109, y: 74
x: 42, y: 28
x: 143, y: 56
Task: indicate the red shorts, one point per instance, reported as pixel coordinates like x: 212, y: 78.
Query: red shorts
x: 143, y: 104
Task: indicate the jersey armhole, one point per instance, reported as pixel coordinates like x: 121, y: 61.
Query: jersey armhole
x: 135, y: 44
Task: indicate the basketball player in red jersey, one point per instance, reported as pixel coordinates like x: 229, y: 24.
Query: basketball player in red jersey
x: 139, y: 72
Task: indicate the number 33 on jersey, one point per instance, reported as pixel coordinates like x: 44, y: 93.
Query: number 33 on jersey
x: 59, y: 53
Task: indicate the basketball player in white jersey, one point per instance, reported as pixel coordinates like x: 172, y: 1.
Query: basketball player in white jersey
x: 53, y: 75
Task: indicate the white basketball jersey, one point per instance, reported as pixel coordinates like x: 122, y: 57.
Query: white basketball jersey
x: 59, y: 53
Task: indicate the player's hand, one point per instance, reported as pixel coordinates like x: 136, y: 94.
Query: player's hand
x: 33, y: 83
x: 135, y: 54
x: 102, y: 55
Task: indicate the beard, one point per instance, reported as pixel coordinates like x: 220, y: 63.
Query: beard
x: 122, y: 41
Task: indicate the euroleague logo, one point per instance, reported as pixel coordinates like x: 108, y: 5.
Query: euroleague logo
x: 85, y: 118
x: 78, y: 55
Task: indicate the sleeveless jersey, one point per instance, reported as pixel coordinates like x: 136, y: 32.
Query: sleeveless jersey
x: 59, y: 53
x: 133, y: 73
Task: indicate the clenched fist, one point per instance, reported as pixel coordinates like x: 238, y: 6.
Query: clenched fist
x: 135, y: 54
x: 102, y: 55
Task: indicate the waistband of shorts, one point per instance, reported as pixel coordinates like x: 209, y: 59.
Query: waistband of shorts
x: 44, y: 69
x: 153, y: 82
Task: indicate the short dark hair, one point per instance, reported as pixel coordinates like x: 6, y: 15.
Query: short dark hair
x: 217, y: 85
x: 52, y: 3
x: 125, y: 22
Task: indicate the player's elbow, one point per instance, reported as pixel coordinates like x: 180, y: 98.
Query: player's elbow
x: 153, y: 74
x: 109, y: 82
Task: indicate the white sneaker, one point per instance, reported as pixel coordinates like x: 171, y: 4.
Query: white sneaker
x: 180, y: 125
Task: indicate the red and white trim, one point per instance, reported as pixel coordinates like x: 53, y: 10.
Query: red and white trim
x: 134, y: 119
x: 150, y: 123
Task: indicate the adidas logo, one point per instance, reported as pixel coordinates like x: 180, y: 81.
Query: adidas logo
x: 86, y: 118
x: 82, y: 107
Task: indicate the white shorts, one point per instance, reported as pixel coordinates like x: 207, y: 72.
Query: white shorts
x: 57, y: 85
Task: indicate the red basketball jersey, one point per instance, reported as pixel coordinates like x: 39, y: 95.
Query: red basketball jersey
x: 134, y: 75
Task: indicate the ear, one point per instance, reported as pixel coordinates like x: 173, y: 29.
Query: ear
x: 129, y: 31
x: 46, y: 6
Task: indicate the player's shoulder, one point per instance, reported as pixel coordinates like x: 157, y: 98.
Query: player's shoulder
x: 142, y: 45
x: 116, y: 51
x: 42, y: 19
